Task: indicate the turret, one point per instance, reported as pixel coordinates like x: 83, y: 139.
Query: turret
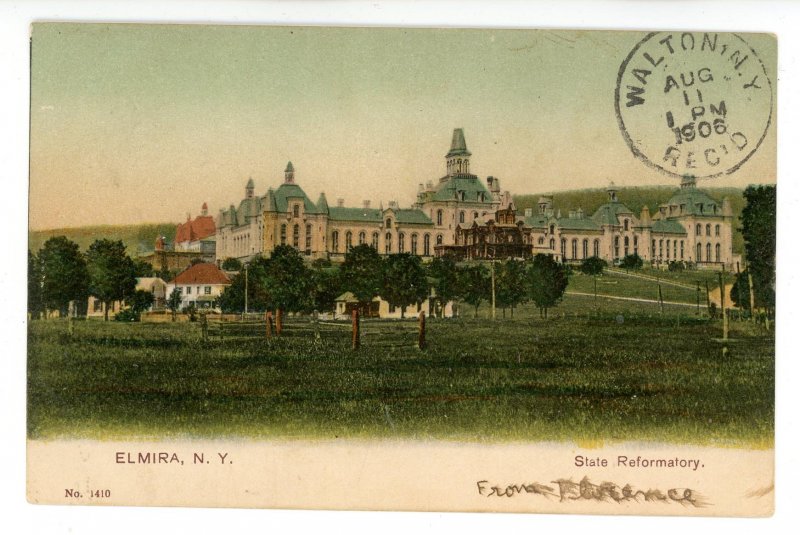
x: 322, y: 203
x: 612, y: 193
x: 204, y: 210
x: 288, y: 173
x: 688, y: 182
x: 249, y: 189
x: 457, y: 158
x: 644, y: 217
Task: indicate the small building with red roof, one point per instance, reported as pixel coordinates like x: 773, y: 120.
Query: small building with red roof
x: 197, y: 235
x: 200, y: 285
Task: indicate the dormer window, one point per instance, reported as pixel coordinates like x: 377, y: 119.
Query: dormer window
x: 296, y: 210
x: 388, y: 223
x: 462, y: 195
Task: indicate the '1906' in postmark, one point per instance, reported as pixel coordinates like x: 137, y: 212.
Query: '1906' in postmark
x: 693, y: 103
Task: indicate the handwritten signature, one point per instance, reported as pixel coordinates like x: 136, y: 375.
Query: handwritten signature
x: 568, y: 490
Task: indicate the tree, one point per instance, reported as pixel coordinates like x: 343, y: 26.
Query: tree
x: 547, y: 281
x: 404, y: 281
x: 758, y: 229
x: 231, y: 264
x: 35, y: 304
x: 111, y: 272
x: 232, y: 299
x: 444, y: 272
x: 326, y: 286
x: 139, y: 301
x: 174, y: 301
x: 64, y: 274
x: 287, y: 281
x: 142, y: 268
x: 362, y: 273
x: 631, y: 261
x: 509, y: 284
x: 593, y: 266
x: 476, y: 285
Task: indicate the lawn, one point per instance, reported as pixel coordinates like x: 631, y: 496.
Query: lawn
x: 625, y: 286
x: 622, y: 372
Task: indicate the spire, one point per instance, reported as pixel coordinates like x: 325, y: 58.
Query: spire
x: 249, y: 188
x: 288, y: 173
x: 458, y: 157
x: 272, y: 205
x: 322, y: 203
x: 644, y: 217
x: 204, y: 209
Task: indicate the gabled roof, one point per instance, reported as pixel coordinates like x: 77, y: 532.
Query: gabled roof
x: 536, y: 221
x: 201, y: 274
x: 288, y: 191
x: 412, y: 216
x: 469, y: 184
x: 195, y: 229
x: 668, y: 226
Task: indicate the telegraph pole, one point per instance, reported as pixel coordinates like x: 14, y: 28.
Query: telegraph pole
x: 245, y: 288
x: 494, y: 308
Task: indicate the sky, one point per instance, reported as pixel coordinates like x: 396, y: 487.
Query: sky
x: 144, y: 123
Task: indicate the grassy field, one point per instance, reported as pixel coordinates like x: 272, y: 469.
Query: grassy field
x: 623, y: 372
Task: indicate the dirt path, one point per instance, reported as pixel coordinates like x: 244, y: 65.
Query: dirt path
x: 636, y: 299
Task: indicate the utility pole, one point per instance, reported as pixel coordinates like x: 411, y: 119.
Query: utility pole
x: 494, y: 301
x: 245, y: 288
x: 722, y: 304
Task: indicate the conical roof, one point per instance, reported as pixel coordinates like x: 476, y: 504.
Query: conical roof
x: 458, y: 147
x: 289, y: 167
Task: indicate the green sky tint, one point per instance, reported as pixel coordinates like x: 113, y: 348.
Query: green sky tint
x: 138, y: 123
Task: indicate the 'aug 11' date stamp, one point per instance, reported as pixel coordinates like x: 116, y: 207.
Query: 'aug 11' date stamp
x: 693, y: 103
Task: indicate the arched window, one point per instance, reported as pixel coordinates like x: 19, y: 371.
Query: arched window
x: 335, y: 241
x: 626, y: 225
x: 660, y: 249
x: 698, y: 230
x: 296, y: 236
x: 401, y: 243
x: 375, y: 240
x: 708, y: 230
x: 308, y: 239
x: 681, y: 249
x: 708, y: 252
x: 627, y: 242
x: 296, y: 210
x: 362, y: 238
x: 426, y: 245
x: 348, y: 241
x: 541, y: 240
x: 388, y: 223
x: 414, y: 244
x: 388, y: 242
x: 439, y: 239
x: 699, y: 253
x: 667, y: 249
x: 439, y: 217
x: 596, y: 248
x: 675, y: 249
x: 574, y: 248
x: 563, y: 247
x: 283, y: 235
x: 636, y: 245
x: 716, y: 230
x: 461, y: 216
x: 474, y: 216
x: 552, y: 244
x: 616, y: 246
x: 717, y: 253
x: 552, y: 229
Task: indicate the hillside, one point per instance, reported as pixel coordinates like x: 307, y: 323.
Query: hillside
x: 136, y: 237
x: 633, y: 198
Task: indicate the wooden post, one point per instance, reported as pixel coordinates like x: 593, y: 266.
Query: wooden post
x: 722, y: 304
x: 204, y: 327
x: 221, y: 324
x: 278, y: 322
x: 708, y: 299
x: 315, y: 320
x: 660, y: 299
x: 494, y: 300
x: 421, y: 340
x: 268, y: 322
x: 752, y: 296
x: 356, y: 329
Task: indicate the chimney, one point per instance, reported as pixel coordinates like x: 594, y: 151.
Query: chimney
x: 340, y: 202
x: 421, y: 187
x: 429, y: 185
x: 366, y: 204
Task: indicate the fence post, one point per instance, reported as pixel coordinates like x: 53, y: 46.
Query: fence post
x: 278, y: 322
x: 268, y: 322
x: 221, y: 324
x: 421, y: 341
x: 204, y: 327
x: 315, y: 320
x: 356, y: 329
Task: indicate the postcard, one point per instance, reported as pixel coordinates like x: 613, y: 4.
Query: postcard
x: 402, y: 269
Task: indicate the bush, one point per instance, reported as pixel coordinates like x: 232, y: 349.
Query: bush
x: 631, y: 261
x: 127, y: 315
x: 593, y: 266
x: 677, y: 266
x: 190, y: 311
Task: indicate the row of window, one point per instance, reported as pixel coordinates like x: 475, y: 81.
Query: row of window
x: 388, y: 248
x: 698, y: 230
x: 187, y: 290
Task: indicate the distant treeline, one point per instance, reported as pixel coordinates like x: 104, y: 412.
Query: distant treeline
x: 635, y: 198
x: 137, y: 238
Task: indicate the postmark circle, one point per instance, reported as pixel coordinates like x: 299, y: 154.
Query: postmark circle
x: 693, y: 103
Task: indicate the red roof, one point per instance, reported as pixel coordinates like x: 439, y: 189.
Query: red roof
x: 195, y: 229
x: 202, y: 274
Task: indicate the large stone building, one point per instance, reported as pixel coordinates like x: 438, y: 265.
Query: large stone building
x: 459, y: 214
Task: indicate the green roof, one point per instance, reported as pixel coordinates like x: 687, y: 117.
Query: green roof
x: 469, y: 184
x: 608, y: 214
x: 292, y: 191
x: 412, y: 216
x: 568, y: 223
x: 668, y: 226
x: 537, y: 221
x: 339, y: 213
x: 694, y: 202
x: 458, y: 147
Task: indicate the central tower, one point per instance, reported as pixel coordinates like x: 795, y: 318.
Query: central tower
x: 458, y: 157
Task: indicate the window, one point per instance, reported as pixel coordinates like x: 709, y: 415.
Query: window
x: 348, y: 241
x: 552, y: 244
x: 388, y: 242
x: 616, y: 246
x: 188, y: 290
x: 698, y: 230
x: 296, y: 210
x: 207, y: 290
x: 660, y: 248
x: 716, y: 230
x: 626, y: 225
x: 375, y: 240
x: 461, y: 216
x: 636, y: 245
x: 675, y: 249
x: 708, y: 252
x: 401, y: 243
x: 681, y: 249
x: 541, y: 240
x: 426, y: 245
x: 627, y: 242
x: 439, y: 239
x: 596, y: 248
x: 574, y: 248
x: 439, y: 217
x: 362, y: 238
x: 283, y: 234
x: 308, y: 239
x: 335, y: 241
x: 98, y: 305
x: 388, y: 223
x: 474, y: 216
x: 563, y: 247
x: 717, y: 252
x: 296, y: 236
x: 699, y: 253
x: 708, y: 230
x: 667, y: 249
x: 414, y: 244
